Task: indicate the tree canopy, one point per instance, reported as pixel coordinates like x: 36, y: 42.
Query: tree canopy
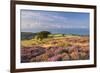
x: 43, y: 34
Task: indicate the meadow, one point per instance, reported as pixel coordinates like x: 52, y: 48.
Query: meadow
x: 56, y: 47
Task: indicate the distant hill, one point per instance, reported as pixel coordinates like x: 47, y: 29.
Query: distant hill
x: 30, y: 35
x: 27, y: 35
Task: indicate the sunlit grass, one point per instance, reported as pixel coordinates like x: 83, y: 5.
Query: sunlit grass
x: 55, y: 41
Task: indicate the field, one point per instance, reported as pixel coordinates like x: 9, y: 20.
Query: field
x: 56, y: 47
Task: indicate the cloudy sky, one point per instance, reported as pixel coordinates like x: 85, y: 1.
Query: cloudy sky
x: 35, y: 20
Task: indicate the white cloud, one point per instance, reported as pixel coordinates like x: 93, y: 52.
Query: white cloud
x: 39, y: 20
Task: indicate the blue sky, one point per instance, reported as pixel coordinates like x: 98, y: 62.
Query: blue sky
x: 35, y: 20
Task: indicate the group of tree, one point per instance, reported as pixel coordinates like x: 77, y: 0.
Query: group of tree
x: 43, y: 34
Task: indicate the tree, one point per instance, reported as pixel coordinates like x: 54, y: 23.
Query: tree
x: 43, y: 34
x: 63, y: 35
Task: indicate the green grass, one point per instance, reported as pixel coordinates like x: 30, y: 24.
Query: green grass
x: 52, y: 40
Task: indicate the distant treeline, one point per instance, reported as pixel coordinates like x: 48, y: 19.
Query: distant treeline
x: 43, y: 34
x: 38, y: 35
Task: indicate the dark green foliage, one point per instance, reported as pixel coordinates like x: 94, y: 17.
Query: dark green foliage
x: 43, y: 34
x: 30, y: 35
x: 63, y: 35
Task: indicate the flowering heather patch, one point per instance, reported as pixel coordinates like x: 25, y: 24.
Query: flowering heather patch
x: 56, y: 49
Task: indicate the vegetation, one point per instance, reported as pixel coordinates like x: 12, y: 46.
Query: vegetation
x: 27, y: 35
x: 45, y: 46
x: 43, y: 34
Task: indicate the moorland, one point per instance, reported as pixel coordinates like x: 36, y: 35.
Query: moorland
x: 44, y: 46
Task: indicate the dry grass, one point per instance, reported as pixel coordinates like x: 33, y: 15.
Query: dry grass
x: 68, y: 47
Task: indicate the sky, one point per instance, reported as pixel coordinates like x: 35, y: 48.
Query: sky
x: 36, y: 20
